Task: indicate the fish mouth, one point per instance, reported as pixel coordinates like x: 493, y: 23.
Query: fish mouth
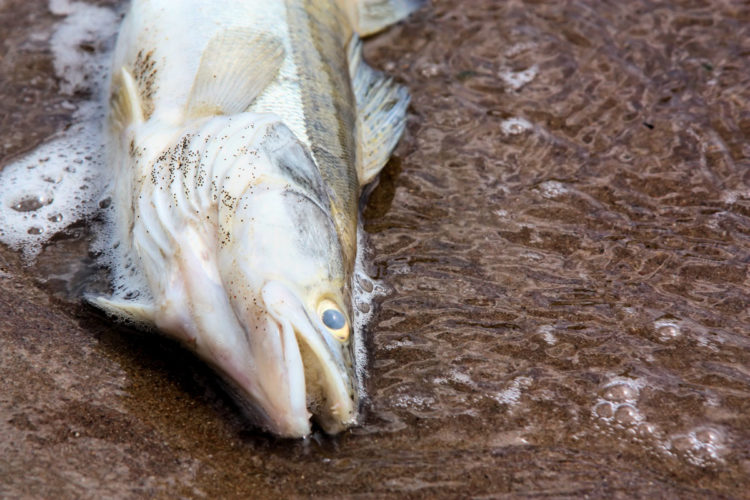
x: 320, y: 376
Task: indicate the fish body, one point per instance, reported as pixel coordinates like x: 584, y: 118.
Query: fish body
x: 240, y: 135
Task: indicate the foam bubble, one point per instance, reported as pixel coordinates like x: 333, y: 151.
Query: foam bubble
x: 604, y: 410
x: 430, y: 70
x: 732, y: 196
x: 517, y: 79
x: 399, y: 266
x: 515, y: 126
x: 552, y: 189
x: 461, y: 378
x: 709, y: 436
x: 626, y: 414
x: 667, y: 329
x: 512, y: 394
x: 701, y: 446
x: 617, y: 402
x: 399, y: 343
x: 413, y: 401
x: 547, y: 334
x: 620, y: 392
x: 647, y: 430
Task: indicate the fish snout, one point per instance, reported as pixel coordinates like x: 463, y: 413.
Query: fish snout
x: 330, y: 385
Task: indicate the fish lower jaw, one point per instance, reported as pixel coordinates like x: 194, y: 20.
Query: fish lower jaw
x: 286, y: 405
x: 269, y: 407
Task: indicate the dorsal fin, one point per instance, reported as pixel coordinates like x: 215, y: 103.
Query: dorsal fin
x: 381, y: 114
x: 371, y: 16
x: 125, y: 101
x: 236, y: 66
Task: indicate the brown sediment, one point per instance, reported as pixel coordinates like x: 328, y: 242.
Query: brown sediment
x: 569, y: 305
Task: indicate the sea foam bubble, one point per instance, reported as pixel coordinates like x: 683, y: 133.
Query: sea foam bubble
x: 63, y: 180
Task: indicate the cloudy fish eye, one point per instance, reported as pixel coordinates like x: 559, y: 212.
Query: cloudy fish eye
x: 334, y: 320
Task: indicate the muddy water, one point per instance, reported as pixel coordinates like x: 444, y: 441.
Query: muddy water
x: 565, y: 231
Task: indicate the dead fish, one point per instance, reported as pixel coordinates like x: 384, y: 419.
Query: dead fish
x: 240, y: 134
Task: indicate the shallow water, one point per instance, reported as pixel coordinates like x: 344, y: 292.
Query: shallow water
x: 565, y: 231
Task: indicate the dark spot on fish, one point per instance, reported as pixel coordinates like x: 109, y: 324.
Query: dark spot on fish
x: 144, y: 73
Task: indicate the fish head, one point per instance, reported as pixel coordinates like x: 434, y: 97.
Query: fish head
x: 284, y: 273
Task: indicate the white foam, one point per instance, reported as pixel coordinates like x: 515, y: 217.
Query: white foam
x: 667, y: 329
x: 517, y: 79
x: 515, y: 126
x: 461, y: 378
x: 364, y: 290
x: 61, y: 182
x: 54, y: 186
x: 413, y: 401
x: 732, y: 196
x: 552, y: 189
x: 547, y: 332
x: 397, y: 344
x: 80, y: 45
x: 512, y: 394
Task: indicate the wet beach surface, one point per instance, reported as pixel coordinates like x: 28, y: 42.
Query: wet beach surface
x: 565, y: 232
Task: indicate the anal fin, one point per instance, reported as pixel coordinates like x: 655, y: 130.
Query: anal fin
x: 381, y: 114
x: 235, y: 68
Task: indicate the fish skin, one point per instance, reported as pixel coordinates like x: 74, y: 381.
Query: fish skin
x: 237, y: 220
x: 328, y: 104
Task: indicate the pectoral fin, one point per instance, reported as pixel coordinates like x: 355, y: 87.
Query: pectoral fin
x: 125, y: 101
x: 372, y: 16
x: 237, y: 65
x: 381, y: 114
x: 137, y: 312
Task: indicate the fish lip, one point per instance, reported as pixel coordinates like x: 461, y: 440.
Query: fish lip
x: 339, y: 388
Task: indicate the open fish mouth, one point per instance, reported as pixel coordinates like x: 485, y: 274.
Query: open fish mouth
x: 319, y: 374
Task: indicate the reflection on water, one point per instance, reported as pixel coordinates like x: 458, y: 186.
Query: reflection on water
x: 565, y: 233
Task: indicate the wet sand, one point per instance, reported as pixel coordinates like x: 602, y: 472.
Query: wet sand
x: 565, y: 230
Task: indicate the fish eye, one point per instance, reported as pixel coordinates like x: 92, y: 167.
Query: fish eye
x: 334, y: 320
